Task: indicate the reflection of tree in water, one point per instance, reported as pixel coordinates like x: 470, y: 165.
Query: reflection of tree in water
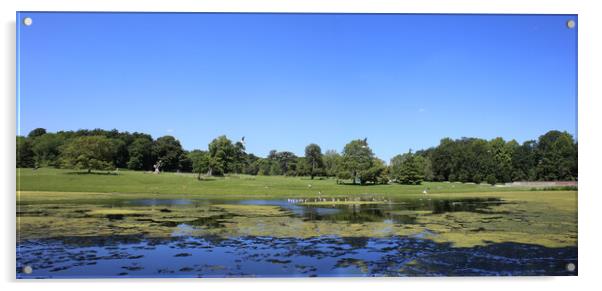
x: 360, y: 213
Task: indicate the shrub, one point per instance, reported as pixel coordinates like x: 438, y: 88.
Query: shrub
x: 491, y: 179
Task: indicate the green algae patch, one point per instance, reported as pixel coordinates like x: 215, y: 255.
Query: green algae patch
x: 546, y: 218
x: 411, y: 212
x: 251, y: 210
x: 117, y: 211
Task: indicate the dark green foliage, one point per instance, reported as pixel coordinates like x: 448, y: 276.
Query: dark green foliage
x: 226, y: 157
x: 552, y: 157
x: 282, y: 163
x: 186, y: 163
x: 168, y: 150
x: 357, y: 162
x: 141, y: 154
x: 524, y: 161
x: 89, y: 153
x: 313, y: 158
x: 25, y: 157
x: 36, y: 132
x: 46, y: 149
x: 201, y: 162
x: 376, y: 174
x: 252, y: 164
x: 332, y: 162
x: 491, y: 179
x: 556, y: 156
x: 408, y: 169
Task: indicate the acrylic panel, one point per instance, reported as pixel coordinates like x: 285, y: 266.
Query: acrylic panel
x: 295, y: 145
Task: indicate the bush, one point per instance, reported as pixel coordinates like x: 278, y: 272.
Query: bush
x: 491, y: 179
x: 452, y: 178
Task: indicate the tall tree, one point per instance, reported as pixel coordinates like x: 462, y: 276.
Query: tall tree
x: 408, y: 168
x: 25, y: 157
x: 357, y: 158
x: 332, y: 161
x: 201, y: 162
x: 168, y: 150
x: 313, y: 157
x: 557, y: 156
x: 223, y: 155
x: 46, y: 149
x: 141, y: 154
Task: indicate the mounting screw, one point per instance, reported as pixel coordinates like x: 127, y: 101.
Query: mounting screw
x: 570, y: 267
x: 27, y: 21
x: 570, y: 24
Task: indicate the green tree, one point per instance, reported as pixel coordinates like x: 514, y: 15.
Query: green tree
x: 252, y: 164
x: 357, y: 158
x: 407, y: 169
x: 25, y: 157
x: 332, y: 161
x: 185, y: 162
x: 226, y: 157
x: 37, y: 132
x: 524, y: 162
x: 168, y: 150
x: 89, y: 153
x: 557, y: 156
x: 46, y: 149
x: 201, y: 162
x: 265, y: 167
x: 141, y: 154
x: 502, y: 158
x: 287, y: 162
x: 303, y: 167
x: 313, y: 157
x: 443, y: 159
x: 376, y: 174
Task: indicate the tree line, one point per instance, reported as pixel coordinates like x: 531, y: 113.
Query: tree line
x: 553, y: 156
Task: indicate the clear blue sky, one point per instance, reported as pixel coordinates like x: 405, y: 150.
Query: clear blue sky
x: 286, y: 80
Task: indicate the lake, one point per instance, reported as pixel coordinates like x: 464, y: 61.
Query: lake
x: 298, y: 237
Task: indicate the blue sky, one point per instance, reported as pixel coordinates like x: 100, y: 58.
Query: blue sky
x: 286, y: 80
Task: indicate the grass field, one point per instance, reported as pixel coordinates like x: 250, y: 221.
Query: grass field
x: 47, y: 179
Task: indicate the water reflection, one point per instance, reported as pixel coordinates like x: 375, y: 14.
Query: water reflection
x: 283, y: 257
x: 233, y: 238
x: 359, y: 210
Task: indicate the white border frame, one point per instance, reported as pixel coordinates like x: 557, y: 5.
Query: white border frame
x: 590, y: 93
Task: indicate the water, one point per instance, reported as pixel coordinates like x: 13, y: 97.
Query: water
x: 284, y: 257
x: 186, y: 252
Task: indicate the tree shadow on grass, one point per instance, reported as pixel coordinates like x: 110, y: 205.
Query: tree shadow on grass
x: 358, y: 184
x: 93, y: 173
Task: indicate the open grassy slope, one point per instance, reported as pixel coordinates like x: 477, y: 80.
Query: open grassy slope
x: 58, y: 180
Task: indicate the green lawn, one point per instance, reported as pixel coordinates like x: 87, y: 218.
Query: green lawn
x: 47, y: 179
